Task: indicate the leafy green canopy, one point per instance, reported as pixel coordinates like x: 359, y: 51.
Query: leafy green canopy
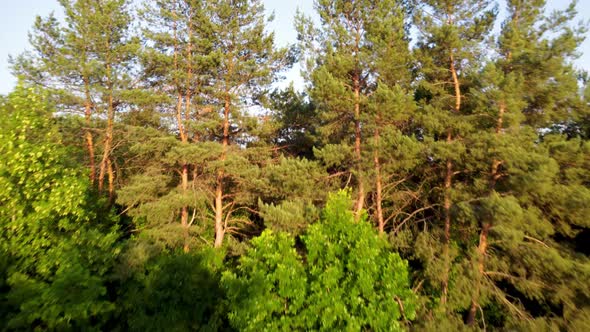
x: 347, y: 279
x: 56, y: 248
x: 169, y: 291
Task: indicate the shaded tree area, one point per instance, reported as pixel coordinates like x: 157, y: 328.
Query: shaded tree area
x: 434, y: 174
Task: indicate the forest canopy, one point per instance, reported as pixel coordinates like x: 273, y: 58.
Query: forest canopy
x: 433, y: 174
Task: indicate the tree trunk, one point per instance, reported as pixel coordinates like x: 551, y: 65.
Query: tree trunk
x: 219, y: 226
x: 184, y: 210
x: 108, y: 142
x: 448, y: 185
x: 111, y: 177
x: 88, y: 134
x: 182, y: 132
x: 184, y: 176
x: 219, y: 229
x: 378, y: 184
x: 481, y: 250
x: 360, y: 201
x: 456, y: 84
x: 184, y: 139
x: 483, y: 236
x: 447, y: 235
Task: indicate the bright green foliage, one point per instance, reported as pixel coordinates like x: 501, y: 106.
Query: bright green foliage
x: 268, y: 291
x: 365, y: 282
x: 57, y: 248
x: 348, y: 279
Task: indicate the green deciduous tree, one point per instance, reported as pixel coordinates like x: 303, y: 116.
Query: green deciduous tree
x: 348, y: 274
x: 58, y: 248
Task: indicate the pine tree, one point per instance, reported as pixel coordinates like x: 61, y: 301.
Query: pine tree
x: 87, y: 63
x: 177, y: 65
x: 451, y: 33
x: 292, y: 125
x: 390, y: 107
x: 516, y: 225
x: 247, y: 62
x: 338, y: 55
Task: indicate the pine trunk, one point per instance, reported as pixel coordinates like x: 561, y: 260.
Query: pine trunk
x: 219, y: 226
x: 378, y: 184
x: 184, y: 177
x: 184, y: 211
x: 456, y: 84
x: 108, y: 143
x: 481, y: 251
x: 184, y: 138
x: 448, y: 186
x: 483, y: 236
x: 360, y: 201
x: 219, y: 229
x: 447, y: 235
x: 111, y: 177
x: 88, y: 134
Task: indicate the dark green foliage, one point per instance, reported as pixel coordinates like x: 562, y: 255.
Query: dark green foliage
x: 169, y: 291
x: 291, y: 194
x: 293, y: 123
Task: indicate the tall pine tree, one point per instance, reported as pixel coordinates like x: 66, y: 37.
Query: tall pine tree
x: 87, y: 63
x: 449, y: 46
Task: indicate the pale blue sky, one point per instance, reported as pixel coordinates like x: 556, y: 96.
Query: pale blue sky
x: 17, y: 17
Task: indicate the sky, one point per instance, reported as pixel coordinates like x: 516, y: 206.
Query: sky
x: 17, y: 17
